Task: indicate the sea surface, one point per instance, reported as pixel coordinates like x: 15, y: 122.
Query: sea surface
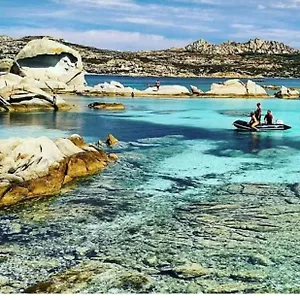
x: 192, y: 206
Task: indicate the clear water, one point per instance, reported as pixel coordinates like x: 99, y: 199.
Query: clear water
x: 173, y: 153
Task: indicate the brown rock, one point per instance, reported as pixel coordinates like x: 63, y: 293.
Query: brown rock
x: 111, y: 140
x: 77, y: 140
x: 107, y: 106
x: 113, y: 157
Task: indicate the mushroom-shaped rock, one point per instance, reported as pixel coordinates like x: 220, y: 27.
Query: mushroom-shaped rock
x: 45, y: 59
x: 111, y: 140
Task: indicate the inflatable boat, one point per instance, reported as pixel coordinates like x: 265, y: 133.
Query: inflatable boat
x: 243, y: 125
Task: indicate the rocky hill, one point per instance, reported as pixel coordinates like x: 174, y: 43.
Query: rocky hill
x: 256, y: 46
x: 256, y: 58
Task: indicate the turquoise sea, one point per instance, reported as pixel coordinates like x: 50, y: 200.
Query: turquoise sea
x: 193, y: 206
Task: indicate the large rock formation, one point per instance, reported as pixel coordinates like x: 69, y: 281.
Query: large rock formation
x: 235, y: 87
x: 287, y: 93
x: 45, y: 59
x: 230, y: 47
x: 23, y: 94
x: 32, y: 167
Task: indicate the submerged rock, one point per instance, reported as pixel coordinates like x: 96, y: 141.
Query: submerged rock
x: 32, y: 167
x: 191, y: 271
x: 107, y: 106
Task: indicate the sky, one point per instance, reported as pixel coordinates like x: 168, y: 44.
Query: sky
x: 152, y: 25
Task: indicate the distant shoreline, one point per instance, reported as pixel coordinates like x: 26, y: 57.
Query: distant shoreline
x: 192, y: 77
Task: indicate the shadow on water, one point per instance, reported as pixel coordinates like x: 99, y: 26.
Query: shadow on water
x: 94, y: 126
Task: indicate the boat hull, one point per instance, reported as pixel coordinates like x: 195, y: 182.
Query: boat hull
x: 244, y: 126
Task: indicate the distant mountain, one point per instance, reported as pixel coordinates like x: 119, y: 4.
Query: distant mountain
x: 255, y: 58
x: 256, y: 46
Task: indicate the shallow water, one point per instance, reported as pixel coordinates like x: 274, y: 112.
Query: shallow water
x: 154, y: 210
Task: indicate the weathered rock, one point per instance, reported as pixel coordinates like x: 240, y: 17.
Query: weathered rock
x: 24, y: 96
x: 9, y: 80
x: 111, y: 140
x: 6, y: 64
x: 196, y: 90
x: 38, y: 167
x: 45, y: 59
x: 255, y: 89
x: 167, y: 90
x: 285, y: 92
x: 229, y: 87
x: 235, y: 87
x: 107, y: 106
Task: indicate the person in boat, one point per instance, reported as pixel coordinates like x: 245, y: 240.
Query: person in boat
x: 253, y: 121
x: 268, y: 119
x: 258, y: 112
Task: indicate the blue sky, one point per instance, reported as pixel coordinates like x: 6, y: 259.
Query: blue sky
x: 148, y: 25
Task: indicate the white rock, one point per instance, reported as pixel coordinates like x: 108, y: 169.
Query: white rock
x: 66, y: 147
x: 254, y: 89
x: 195, y: 90
x: 167, y: 90
x: 229, y: 87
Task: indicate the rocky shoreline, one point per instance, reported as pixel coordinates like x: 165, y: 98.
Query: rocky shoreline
x: 31, y: 168
x: 45, y: 69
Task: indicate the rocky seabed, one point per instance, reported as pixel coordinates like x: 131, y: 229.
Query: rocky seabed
x: 112, y: 235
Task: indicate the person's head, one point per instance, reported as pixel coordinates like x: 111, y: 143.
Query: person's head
x: 269, y: 112
x: 258, y: 104
x: 252, y: 113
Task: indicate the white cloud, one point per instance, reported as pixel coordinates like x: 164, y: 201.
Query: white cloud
x: 260, y: 6
x: 119, y: 4
x: 104, y: 39
x: 287, y: 4
x: 286, y: 36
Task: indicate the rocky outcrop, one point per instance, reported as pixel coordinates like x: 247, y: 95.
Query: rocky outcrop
x: 166, y: 90
x: 236, y: 88
x: 32, y: 167
x: 107, y: 106
x: 6, y: 64
x: 111, y: 140
x: 19, y: 94
x: 195, y: 90
x: 45, y: 59
x: 287, y: 93
x: 252, y: 46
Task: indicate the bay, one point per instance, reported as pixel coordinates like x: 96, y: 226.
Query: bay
x: 188, y: 191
